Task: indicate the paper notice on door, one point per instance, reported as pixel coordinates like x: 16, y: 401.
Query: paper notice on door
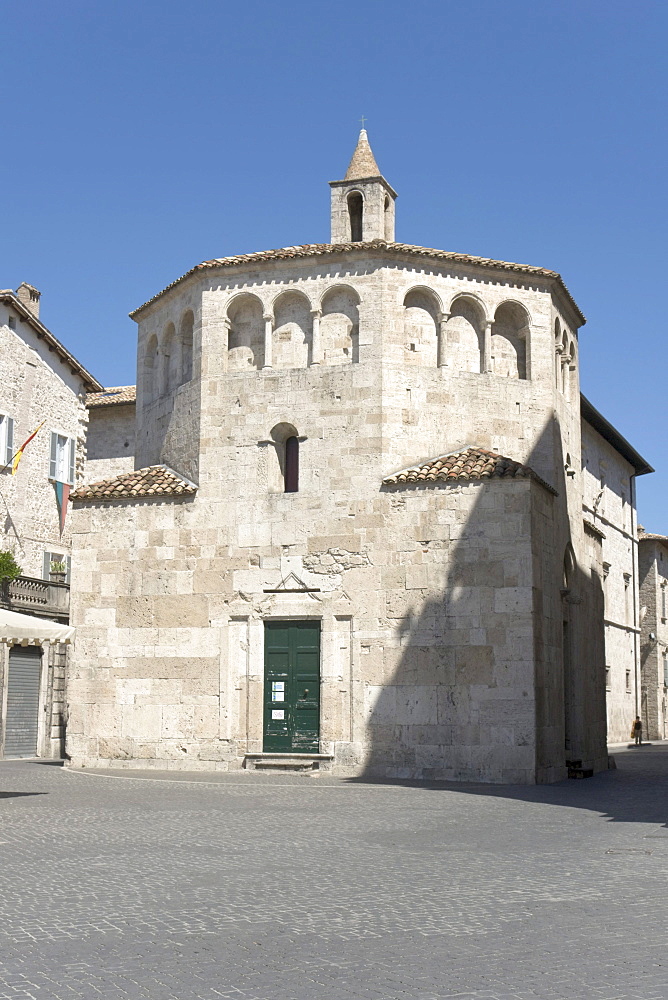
x: 277, y: 713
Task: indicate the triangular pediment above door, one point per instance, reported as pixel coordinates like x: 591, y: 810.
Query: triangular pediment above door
x: 291, y: 584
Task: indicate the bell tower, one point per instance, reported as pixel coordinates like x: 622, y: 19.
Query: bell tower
x: 363, y: 202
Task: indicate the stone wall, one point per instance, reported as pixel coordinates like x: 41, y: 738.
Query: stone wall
x: 428, y: 643
x: 36, y: 386
x: 653, y: 557
x: 442, y: 608
x: 110, y: 444
x: 608, y: 504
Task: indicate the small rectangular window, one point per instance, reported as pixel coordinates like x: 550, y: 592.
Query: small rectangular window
x: 11, y: 322
x: 607, y: 678
x: 628, y: 681
x: 292, y: 465
x: 62, y: 458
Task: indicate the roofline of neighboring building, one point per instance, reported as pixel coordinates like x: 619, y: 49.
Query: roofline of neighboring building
x: 651, y: 536
x: 596, y: 420
x: 9, y: 297
x: 117, y: 395
x: 373, y: 246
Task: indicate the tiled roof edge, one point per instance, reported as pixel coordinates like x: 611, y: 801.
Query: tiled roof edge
x: 115, y: 395
x: 522, y: 472
x: 82, y: 495
x: 396, y: 249
x: 651, y: 536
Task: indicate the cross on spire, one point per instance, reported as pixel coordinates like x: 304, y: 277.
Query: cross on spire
x: 363, y: 120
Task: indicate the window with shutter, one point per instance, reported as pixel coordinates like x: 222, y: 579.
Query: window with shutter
x: 62, y: 460
x: 6, y: 440
x: 53, y: 459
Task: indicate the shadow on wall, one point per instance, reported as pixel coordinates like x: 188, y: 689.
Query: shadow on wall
x: 501, y: 677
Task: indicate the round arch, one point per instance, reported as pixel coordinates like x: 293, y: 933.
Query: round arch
x: 293, y: 329
x: 339, y: 324
x: 473, y: 301
x: 428, y: 292
x: 287, y: 293
x: 510, y: 344
x: 518, y: 307
x: 149, y: 370
x: 168, y: 358
x: 240, y: 299
x: 340, y: 286
x: 245, y: 346
x: 186, y: 327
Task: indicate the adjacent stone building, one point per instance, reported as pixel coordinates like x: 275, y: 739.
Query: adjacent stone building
x: 42, y: 386
x: 609, y: 468
x: 653, y: 559
x: 110, y: 444
x: 354, y: 538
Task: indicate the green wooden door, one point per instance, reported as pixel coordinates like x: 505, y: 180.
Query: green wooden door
x: 291, y: 687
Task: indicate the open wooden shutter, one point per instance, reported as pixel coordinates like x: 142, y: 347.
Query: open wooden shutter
x: 9, y: 451
x: 71, y: 443
x: 53, y: 461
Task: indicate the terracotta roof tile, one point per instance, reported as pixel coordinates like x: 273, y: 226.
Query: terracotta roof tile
x: 372, y: 246
x: 113, y: 396
x: 154, y: 481
x: 470, y: 464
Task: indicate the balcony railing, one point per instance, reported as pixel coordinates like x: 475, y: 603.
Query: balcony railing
x: 46, y: 598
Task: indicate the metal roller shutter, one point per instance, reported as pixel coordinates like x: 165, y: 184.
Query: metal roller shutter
x: 25, y: 667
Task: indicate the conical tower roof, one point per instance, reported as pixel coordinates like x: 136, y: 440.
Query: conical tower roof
x: 363, y: 162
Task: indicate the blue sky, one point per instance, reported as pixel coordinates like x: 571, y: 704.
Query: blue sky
x: 143, y: 137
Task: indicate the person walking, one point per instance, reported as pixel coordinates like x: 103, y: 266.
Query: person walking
x: 637, y: 731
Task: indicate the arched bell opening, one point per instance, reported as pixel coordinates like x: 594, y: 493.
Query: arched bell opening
x: 356, y: 216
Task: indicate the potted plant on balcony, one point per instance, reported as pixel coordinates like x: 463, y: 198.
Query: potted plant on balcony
x: 9, y: 570
x: 57, y: 570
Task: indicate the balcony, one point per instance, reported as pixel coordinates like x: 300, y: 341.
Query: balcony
x: 30, y: 596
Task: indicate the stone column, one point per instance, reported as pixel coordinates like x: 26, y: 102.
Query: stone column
x: 487, y: 347
x: 525, y: 335
x: 225, y: 326
x: 316, y: 345
x: 442, y: 359
x: 268, y: 338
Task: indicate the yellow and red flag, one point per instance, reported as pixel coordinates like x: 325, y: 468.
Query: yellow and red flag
x: 19, y: 453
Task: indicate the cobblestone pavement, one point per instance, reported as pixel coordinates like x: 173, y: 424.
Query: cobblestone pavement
x: 263, y: 887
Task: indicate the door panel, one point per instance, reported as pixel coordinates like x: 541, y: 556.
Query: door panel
x: 291, y: 687
x: 25, y: 668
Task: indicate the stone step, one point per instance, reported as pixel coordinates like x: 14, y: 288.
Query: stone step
x: 295, y: 762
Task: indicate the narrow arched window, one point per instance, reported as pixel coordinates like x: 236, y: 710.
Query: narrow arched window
x: 291, y: 475
x: 355, y: 211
